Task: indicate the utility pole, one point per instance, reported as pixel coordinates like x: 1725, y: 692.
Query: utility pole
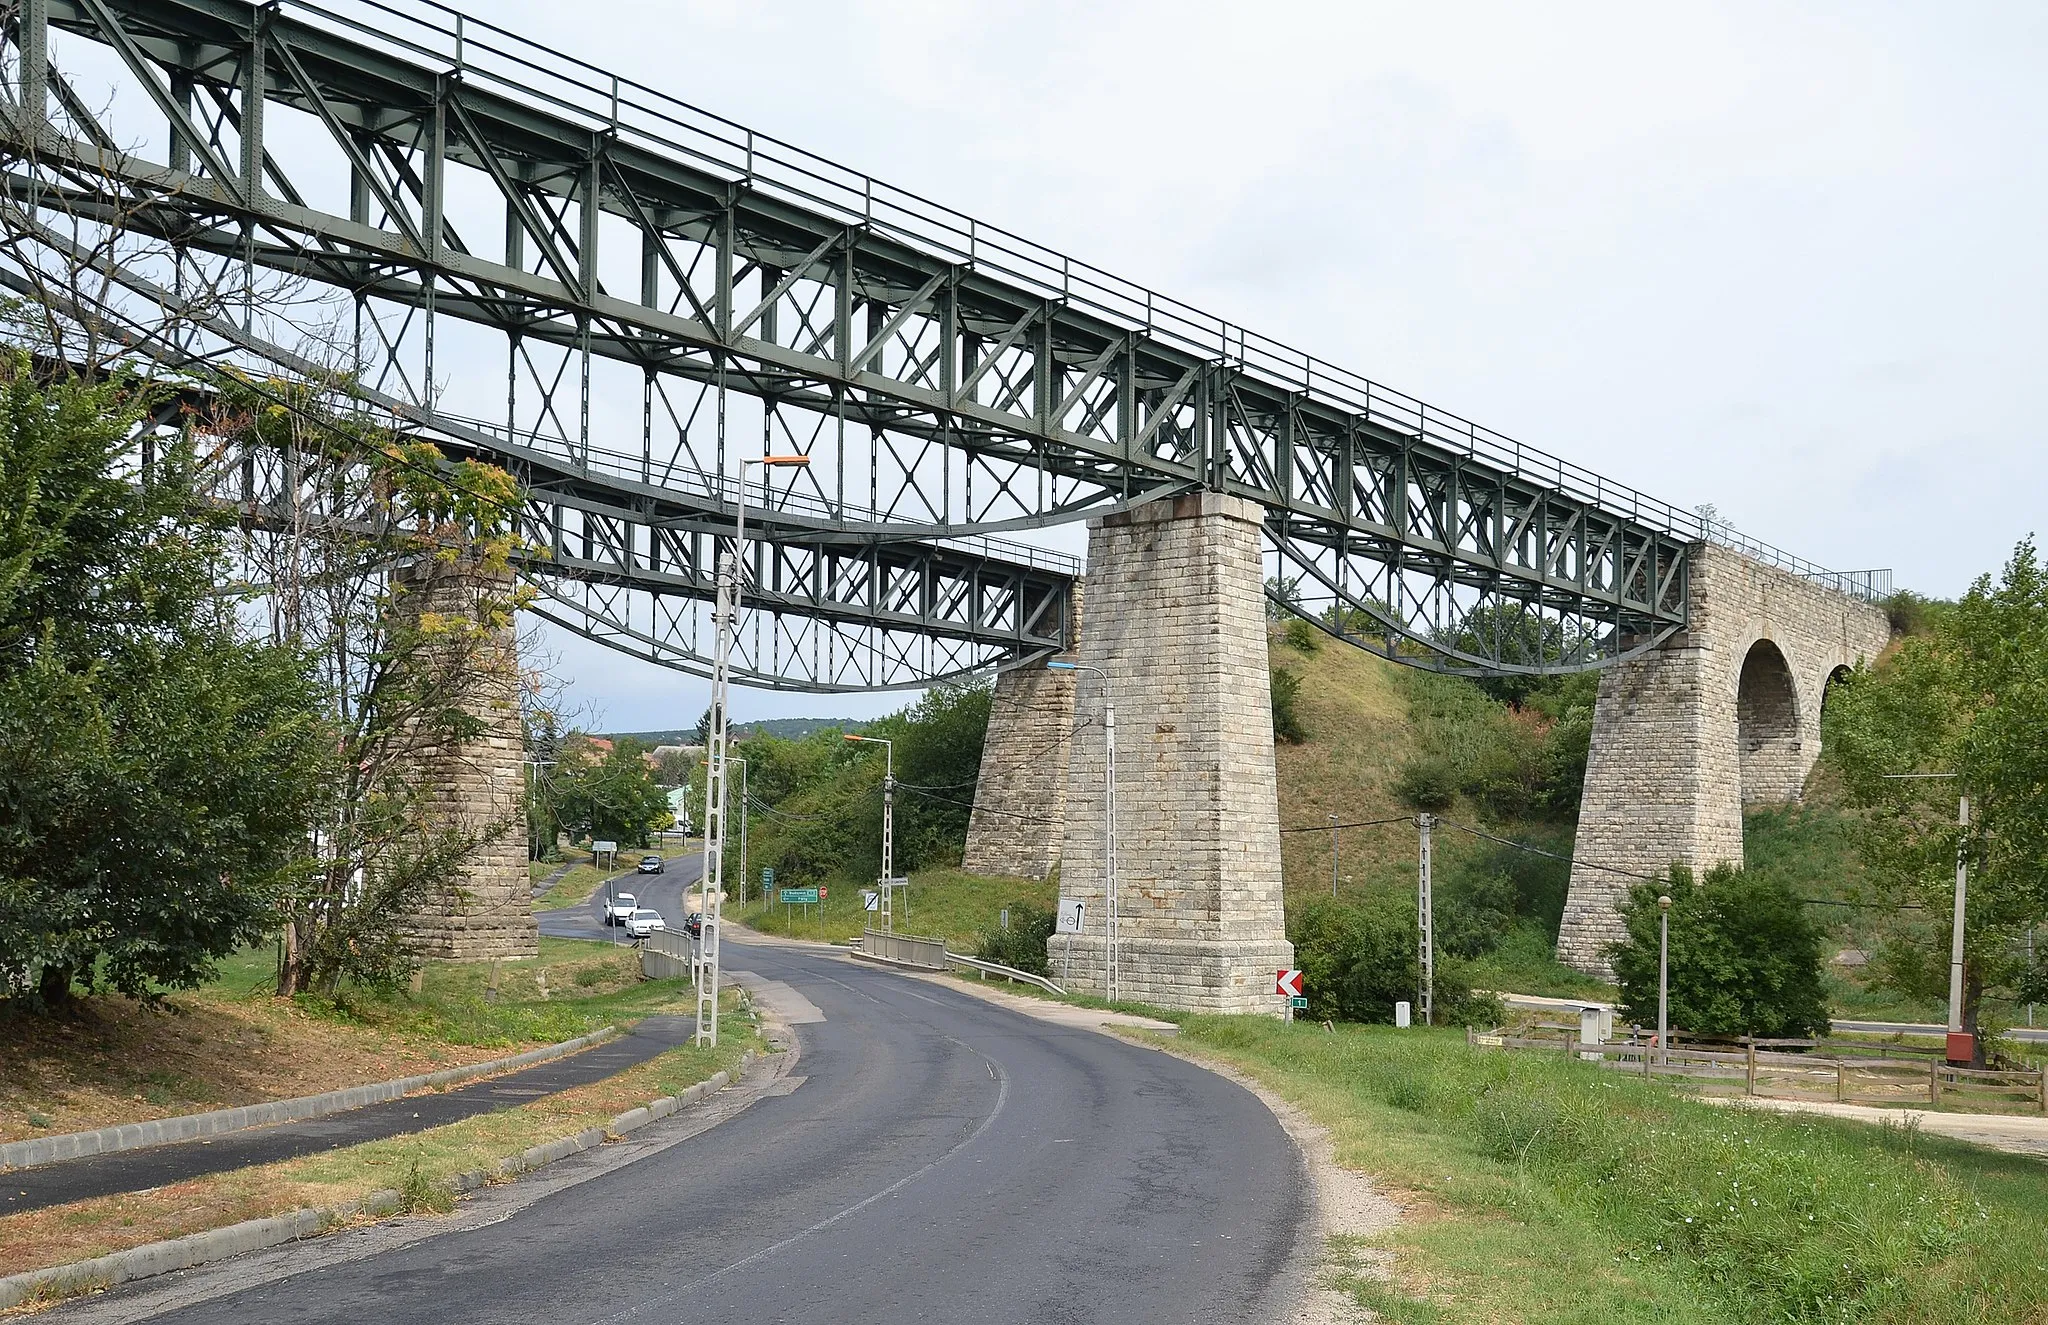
x: 1425, y: 925
x: 731, y: 567
x: 1333, y: 855
x: 1961, y: 1048
x: 888, y: 825
x: 1110, y: 936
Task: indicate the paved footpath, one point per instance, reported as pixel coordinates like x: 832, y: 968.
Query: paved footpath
x: 157, y: 1166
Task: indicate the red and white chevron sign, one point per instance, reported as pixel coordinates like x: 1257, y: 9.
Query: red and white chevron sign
x: 1288, y: 983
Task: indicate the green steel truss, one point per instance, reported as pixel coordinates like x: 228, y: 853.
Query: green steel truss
x: 638, y: 293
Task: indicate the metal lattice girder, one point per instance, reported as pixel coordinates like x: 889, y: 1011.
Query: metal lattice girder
x: 602, y: 242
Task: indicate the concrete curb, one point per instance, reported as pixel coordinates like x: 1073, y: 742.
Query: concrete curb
x: 133, y: 1136
x: 256, y: 1234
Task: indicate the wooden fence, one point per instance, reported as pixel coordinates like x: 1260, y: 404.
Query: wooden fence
x: 1769, y: 1069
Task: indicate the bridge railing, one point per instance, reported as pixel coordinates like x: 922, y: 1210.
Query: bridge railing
x: 633, y: 111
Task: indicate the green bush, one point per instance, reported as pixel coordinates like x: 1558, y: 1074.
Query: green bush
x: 1357, y: 961
x: 1286, y: 717
x: 1302, y: 635
x: 1022, y: 945
x: 1427, y: 782
x: 1745, y: 958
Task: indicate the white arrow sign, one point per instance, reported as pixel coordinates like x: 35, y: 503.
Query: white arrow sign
x: 1288, y: 983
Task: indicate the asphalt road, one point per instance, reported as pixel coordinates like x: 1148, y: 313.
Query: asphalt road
x: 663, y: 892
x: 940, y: 1158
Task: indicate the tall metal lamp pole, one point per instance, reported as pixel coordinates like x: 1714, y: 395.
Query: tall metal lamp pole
x: 1110, y: 920
x: 1663, y: 977
x: 731, y: 574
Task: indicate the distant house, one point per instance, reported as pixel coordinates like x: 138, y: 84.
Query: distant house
x: 679, y: 806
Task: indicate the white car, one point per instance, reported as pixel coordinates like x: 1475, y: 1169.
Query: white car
x: 619, y: 908
x: 643, y: 922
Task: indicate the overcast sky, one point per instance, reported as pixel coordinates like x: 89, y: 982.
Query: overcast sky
x: 1789, y: 263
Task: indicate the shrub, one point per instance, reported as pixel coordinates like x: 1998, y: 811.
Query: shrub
x: 1358, y: 961
x: 1286, y: 717
x: 1302, y: 636
x: 1745, y: 958
x: 1022, y: 945
x: 1427, y: 782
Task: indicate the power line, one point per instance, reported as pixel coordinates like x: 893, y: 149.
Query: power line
x: 1362, y: 823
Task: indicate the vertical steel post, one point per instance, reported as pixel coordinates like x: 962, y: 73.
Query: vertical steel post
x: 743, y: 832
x: 1333, y: 855
x: 33, y: 43
x: 1111, y: 934
x: 1425, y: 924
x: 888, y: 834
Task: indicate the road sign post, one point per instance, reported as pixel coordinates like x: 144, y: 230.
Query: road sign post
x: 1287, y: 984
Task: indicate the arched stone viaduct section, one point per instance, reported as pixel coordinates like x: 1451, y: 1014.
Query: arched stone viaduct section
x: 1724, y: 715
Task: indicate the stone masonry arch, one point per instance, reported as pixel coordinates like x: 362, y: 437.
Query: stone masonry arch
x: 1770, y: 748
x: 1723, y: 715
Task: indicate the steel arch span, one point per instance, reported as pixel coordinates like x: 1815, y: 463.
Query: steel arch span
x: 620, y: 295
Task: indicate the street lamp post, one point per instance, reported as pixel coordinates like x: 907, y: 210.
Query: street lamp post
x: 1110, y: 921
x: 731, y: 576
x: 1663, y: 977
x: 888, y: 825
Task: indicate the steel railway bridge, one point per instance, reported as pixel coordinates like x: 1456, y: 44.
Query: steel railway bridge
x: 619, y: 296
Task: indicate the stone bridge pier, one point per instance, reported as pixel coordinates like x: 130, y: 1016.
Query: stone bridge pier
x: 477, y: 783
x: 1176, y: 618
x: 1724, y: 715
x: 1020, y: 798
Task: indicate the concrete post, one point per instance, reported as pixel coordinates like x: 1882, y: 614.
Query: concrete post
x: 1176, y: 617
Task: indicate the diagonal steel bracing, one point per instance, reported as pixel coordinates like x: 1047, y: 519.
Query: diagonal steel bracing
x: 637, y: 293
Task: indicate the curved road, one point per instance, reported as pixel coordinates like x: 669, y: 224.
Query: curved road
x: 932, y: 1157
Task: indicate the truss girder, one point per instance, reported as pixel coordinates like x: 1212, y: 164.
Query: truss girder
x: 955, y: 391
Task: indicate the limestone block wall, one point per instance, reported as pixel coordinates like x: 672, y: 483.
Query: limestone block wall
x: 1020, y: 797
x: 486, y: 912
x: 1176, y: 617
x: 1724, y: 714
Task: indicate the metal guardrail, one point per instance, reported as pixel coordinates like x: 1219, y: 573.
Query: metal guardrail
x: 907, y: 949
x: 607, y: 103
x: 668, y: 954
x: 931, y: 955
x: 1007, y: 972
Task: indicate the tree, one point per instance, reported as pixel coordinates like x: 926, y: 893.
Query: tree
x: 614, y: 798
x: 1744, y: 957
x: 157, y: 765
x: 1968, y: 698
x: 389, y: 567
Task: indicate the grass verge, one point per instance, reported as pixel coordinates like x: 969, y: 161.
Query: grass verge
x: 418, y: 1165
x: 941, y: 903
x: 114, y: 1060
x: 1545, y: 1192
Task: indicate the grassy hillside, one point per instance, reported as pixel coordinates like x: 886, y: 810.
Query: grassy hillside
x: 1367, y: 723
